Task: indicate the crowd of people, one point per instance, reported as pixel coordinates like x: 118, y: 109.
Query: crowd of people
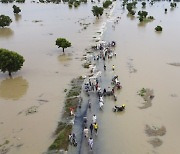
x: 103, y: 51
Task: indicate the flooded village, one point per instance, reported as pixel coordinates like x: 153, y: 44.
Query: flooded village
x: 115, y: 88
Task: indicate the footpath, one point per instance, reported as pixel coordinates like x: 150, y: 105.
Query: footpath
x: 103, y: 75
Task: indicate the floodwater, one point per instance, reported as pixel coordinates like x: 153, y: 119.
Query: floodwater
x: 142, y: 61
x: 47, y: 72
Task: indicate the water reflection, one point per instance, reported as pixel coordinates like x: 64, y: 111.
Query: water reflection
x: 131, y: 16
x: 65, y: 57
x: 13, y: 88
x: 17, y: 17
x: 6, y: 32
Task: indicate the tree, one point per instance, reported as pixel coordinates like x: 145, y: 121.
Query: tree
x: 142, y: 15
x: 10, y: 61
x: 20, y: 1
x: 143, y: 4
x: 107, y: 3
x: 62, y: 42
x: 16, y: 9
x: 97, y: 11
x: 5, y: 20
x: 158, y: 28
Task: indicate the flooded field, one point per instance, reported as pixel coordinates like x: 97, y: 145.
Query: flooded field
x: 145, y: 59
x: 142, y: 62
x: 46, y: 71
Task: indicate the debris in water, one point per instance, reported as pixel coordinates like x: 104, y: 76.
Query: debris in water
x: 174, y: 64
x: 31, y: 110
x: 156, y: 142
x: 155, y: 131
x: 147, y: 95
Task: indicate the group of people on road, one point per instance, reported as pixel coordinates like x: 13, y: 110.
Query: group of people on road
x: 93, y: 127
x: 93, y: 85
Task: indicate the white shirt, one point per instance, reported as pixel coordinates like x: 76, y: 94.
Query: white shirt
x: 94, y: 119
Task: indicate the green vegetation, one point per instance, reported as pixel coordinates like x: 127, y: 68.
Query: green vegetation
x: 173, y: 5
x: 142, y: 15
x: 150, y: 17
x: 97, y: 11
x: 62, y: 42
x: 158, y: 28
x: 71, y: 3
x: 143, y: 4
x: 10, y: 61
x: 61, y: 141
x: 16, y: 9
x: 77, y: 3
x: 65, y: 128
x: 86, y: 65
x: 130, y: 7
x: 7, y: 1
x: 20, y: 1
x: 107, y: 3
x: 142, y: 92
x: 5, y: 20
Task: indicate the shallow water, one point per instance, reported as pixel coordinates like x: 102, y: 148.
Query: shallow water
x: 46, y: 71
x: 141, y: 48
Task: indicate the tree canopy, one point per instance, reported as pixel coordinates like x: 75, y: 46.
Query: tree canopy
x: 10, y: 61
x: 142, y: 15
x: 143, y: 4
x: 16, y: 9
x: 97, y: 11
x: 5, y: 20
x: 158, y: 28
x: 107, y: 3
x: 63, y: 43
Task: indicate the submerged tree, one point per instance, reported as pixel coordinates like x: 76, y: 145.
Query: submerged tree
x: 158, y: 28
x: 97, y: 11
x: 143, y: 4
x: 16, y: 9
x: 5, y: 20
x: 10, y: 61
x: 107, y: 3
x: 142, y: 15
x: 63, y: 43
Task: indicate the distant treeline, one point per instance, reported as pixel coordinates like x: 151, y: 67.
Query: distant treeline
x: 11, y: 1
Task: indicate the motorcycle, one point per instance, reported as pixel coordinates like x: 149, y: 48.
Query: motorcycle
x: 118, y: 108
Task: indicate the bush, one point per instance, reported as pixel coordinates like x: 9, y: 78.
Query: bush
x: 107, y: 3
x: 5, y: 20
x: 151, y: 17
x: 16, y: 9
x: 158, y: 28
x: 20, y: 1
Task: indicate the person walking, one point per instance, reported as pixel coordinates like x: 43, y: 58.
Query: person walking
x: 95, y: 127
x: 113, y: 67
x: 91, y: 128
x: 85, y: 132
x: 94, y: 118
x: 90, y: 142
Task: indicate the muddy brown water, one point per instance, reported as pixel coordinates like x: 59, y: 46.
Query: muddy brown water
x: 47, y: 72
x: 148, y: 52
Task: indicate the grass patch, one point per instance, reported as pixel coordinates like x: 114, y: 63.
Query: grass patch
x: 64, y: 128
x: 86, y: 64
x: 61, y: 142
